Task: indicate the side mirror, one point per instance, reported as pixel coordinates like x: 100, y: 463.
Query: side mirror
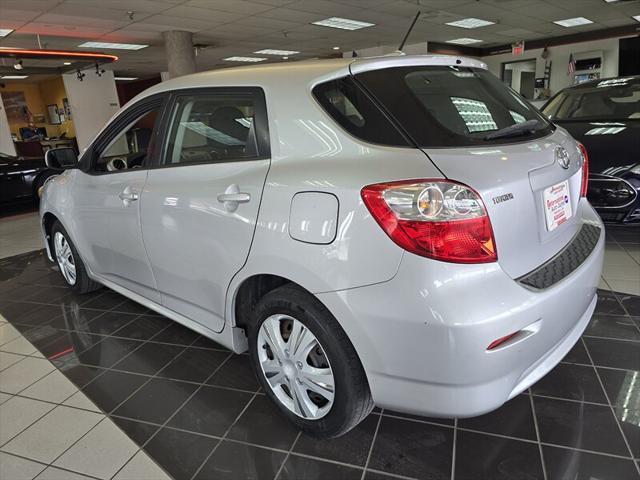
x: 61, y: 158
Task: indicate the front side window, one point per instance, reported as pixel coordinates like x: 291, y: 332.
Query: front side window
x: 133, y: 145
x: 450, y: 106
x: 210, y: 128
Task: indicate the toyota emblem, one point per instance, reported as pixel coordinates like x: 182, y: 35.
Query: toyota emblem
x: 562, y: 157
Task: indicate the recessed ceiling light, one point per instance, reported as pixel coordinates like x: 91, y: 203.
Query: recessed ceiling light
x: 244, y: 59
x: 470, y: 23
x: 124, y: 79
x: 67, y: 63
x: 271, y: 51
x: 5, y: 31
x: 14, y: 77
x: 343, y: 23
x: 285, y: 58
x: 464, y: 41
x: 336, y: 48
x: 573, y: 22
x: 636, y: 17
x: 112, y: 46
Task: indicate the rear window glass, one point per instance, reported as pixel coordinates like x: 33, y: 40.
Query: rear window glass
x: 606, y: 100
x: 352, y: 108
x: 448, y: 106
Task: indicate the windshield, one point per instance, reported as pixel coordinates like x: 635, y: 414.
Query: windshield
x: 448, y: 106
x: 607, y: 100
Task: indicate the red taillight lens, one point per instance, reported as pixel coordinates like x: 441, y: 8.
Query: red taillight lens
x: 439, y: 219
x: 585, y: 170
x: 499, y: 341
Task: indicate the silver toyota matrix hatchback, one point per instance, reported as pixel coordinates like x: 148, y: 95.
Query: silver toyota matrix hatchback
x: 402, y: 231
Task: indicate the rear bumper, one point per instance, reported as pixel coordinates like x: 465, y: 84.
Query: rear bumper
x: 422, y: 337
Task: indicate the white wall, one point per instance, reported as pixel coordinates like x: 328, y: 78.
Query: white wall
x: 93, y: 102
x: 559, y: 57
x: 517, y: 69
x: 6, y: 143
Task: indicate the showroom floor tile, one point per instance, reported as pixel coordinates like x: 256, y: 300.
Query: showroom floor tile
x: 181, y: 404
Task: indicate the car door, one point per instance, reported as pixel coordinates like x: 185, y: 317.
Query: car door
x: 200, y: 205
x: 107, y: 193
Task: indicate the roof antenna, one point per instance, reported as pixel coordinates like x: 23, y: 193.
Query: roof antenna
x: 406, y: 35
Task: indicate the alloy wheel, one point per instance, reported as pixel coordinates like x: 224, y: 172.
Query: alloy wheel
x: 64, y: 257
x: 295, y: 366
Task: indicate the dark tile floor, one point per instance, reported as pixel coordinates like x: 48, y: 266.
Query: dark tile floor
x: 197, y: 410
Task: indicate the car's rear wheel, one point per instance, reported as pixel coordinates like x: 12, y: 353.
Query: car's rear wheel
x: 306, y: 364
x: 69, y: 262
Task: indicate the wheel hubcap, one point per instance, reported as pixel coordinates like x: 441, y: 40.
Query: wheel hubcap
x: 64, y: 257
x: 295, y: 366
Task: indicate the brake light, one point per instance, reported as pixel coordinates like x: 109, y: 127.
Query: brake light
x: 439, y: 219
x: 585, y: 170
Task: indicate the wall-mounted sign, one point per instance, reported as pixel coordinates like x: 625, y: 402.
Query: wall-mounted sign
x: 517, y: 48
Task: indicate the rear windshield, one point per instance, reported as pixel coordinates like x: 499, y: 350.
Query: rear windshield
x: 449, y: 106
x: 607, y: 100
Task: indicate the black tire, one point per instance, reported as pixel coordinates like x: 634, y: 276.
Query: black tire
x: 82, y: 284
x: 352, y: 399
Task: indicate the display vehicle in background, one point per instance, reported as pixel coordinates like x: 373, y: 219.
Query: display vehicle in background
x: 604, y: 115
x: 401, y: 231
x: 22, y: 177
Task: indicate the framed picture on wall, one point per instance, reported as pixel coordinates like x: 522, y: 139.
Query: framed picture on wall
x: 15, y: 106
x: 54, y: 116
x: 67, y: 108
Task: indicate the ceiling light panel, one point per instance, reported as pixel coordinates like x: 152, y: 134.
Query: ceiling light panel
x: 637, y: 18
x: 14, y: 77
x: 245, y: 59
x: 124, y: 79
x: 343, y: 23
x: 573, y: 22
x: 464, y: 41
x: 113, y: 46
x: 270, y: 51
x: 5, y: 31
x: 470, y: 23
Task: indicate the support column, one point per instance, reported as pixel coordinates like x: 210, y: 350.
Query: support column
x: 178, y: 46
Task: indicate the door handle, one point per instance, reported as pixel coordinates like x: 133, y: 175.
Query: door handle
x: 232, y: 197
x: 130, y: 196
x: 240, y: 197
x: 127, y: 196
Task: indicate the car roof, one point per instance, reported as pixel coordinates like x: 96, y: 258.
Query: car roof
x: 609, y: 81
x: 305, y: 71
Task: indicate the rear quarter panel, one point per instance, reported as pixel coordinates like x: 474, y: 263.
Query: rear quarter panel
x: 311, y: 153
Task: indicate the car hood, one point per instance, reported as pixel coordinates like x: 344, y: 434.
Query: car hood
x: 609, y: 144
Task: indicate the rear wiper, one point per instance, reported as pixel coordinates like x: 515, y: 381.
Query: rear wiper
x: 515, y: 130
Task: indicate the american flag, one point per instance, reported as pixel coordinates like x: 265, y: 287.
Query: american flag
x: 572, y: 65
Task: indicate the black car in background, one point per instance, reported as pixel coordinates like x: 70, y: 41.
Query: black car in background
x: 605, y: 116
x: 20, y: 178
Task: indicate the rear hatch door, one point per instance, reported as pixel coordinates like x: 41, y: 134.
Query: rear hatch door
x: 512, y: 181
x: 478, y: 131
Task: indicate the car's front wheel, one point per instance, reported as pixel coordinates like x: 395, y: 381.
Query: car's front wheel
x: 306, y: 364
x: 71, y: 267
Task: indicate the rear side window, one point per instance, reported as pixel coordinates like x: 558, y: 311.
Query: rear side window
x: 352, y: 108
x: 449, y: 106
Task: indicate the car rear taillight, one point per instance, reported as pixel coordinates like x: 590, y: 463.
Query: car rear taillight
x: 439, y: 219
x: 585, y: 170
